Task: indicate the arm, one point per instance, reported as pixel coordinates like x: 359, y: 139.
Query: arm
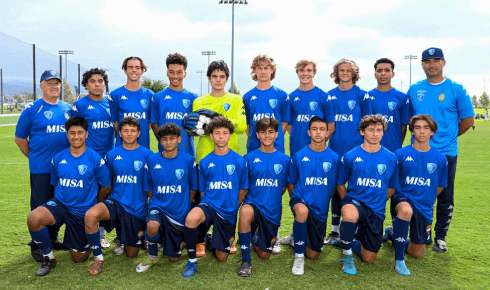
x: 439, y: 190
x: 154, y: 127
x: 23, y: 145
x: 284, y: 127
x: 284, y: 189
x: 201, y: 193
x: 103, y: 192
x: 288, y: 128
x: 193, y: 194
x: 290, y: 189
x: 404, y: 132
x: 150, y: 194
x: 465, y: 124
x: 330, y: 130
x: 341, y: 190
x: 391, y: 192
x: 241, y: 195
x: 116, y: 128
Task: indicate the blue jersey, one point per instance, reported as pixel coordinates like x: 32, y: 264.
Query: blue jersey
x: 124, y: 102
x: 394, y: 105
x: 127, y: 169
x: 314, y: 175
x: 420, y: 174
x: 100, y: 127
x: 270, y: 103
x: 171, y: 181
x: 221, y: 178
x: 77, y: 179
x: 349, y: 108
x: 447, y: 103
x: 267, y: 175
x: 169, y: 106
x: 369, y: 176
x: 303, y: 106
x: 43, y: 125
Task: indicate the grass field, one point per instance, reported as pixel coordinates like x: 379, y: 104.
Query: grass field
x: 465, y: 266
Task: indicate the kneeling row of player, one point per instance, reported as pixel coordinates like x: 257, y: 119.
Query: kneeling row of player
x: 226, y: 180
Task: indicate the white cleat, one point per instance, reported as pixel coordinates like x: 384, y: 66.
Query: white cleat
x: 287, y: 240
x: 104, y: 243
x: 298, y: 266
x: 276, y: 249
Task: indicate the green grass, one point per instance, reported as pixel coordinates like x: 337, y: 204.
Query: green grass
x: 465, y: 265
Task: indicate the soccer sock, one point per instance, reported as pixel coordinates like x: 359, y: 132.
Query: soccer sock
x: 347, y: 233
x: 299, y: 230
x: 42, y: 240
x: 190, y: 237
x: 336, y: 228
x: 245, y: 245
x: 102, y: 231
x: 152, y: 244
x: 94, y: 241
x: 400, y: 232
x: 336, y: 205
x: 356, y: 247
x: 407, y: 244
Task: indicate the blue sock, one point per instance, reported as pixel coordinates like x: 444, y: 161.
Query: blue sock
x: 190, y: 237
x: 407, y: 244
x: 94, y: 241
x: 400, y: 233
x: 42, y: 240
x: 152, y: 244
x: 347, y: 234
x: 356, y: 247
x: 245, y: 245
x: 299, y: 230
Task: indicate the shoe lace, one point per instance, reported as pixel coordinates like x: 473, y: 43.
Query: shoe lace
x: 349, y: 262
x: 190, y: 266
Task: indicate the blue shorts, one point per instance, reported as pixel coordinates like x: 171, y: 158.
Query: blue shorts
x: 223, y: 230
x: 75, y: 225
x: 131, y: 226
x: 265, y: 231
x: 315, y: 228
x: 419, y: 226
x: 41, y: 189
x: 369, y: 227
x: 171, y: 233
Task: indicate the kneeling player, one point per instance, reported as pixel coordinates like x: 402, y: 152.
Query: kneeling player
x: 371, y: 171
x: 223, y: 183
x: 76, y: 172
x: 422, y: 175
x: 262, y: 208
x: 171, y: 178
x: 127, y: 205
x: 311, y: 182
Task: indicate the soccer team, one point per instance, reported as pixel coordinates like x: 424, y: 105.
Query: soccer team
x: 167, y: 201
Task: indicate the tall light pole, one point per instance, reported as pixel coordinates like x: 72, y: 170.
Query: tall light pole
x: 410, y: 57
x: 232, y: 2
x: 401, y: 88
x: 66, y: 53
x: 201, y: 72
x: 208, y: 53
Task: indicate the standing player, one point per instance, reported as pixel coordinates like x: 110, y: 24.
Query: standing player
x: 174, y: 102
x: 265, y: 101
x: 486, y: 114
x: 450, y: 106
x: 223, y: 184
x: 171, y: 178
x: 77, y: 173
x: 422, y: 176
x: 132, y: 100
x: 262, y: 209
x: 391, y: 103
x: 41, y: 134
x: 313, y: 172
x: 350, y: 104
x: 371, y: 171
x: 127, y: 207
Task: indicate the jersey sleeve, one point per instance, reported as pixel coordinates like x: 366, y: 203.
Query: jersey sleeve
x: 54, y: 174
x: 464, y: 105
x: 114, y: 107
x: 410, y: 105
x: 394, y: 180
x: 443, y: 172
x: 101, y: 172
x: 193, y: 175
x: 76, y: 110
x: 345, y: 169
x: 405, y: 113
x: 202, y: 176
x: 148, y: 180
x: 239, y: 117
x: 247, y: 108
x: 23, y: 128
x: 293, y: 171
x: 287, y: 168
x: 285, y: 111
x: 243, y: 171
x: 109, y: 162
x: 365, y: 101
x: 327, y: 108
x: 155, y: 109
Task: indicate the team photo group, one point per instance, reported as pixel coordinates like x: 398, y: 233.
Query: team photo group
x: 91, y: 167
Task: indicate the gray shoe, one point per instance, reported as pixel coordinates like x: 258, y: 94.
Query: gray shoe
x: 440, y: 246
x: 47, y: 265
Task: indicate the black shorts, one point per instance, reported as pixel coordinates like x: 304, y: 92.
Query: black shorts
x: 41, y: 189
x: 223, y: 230
x: 419, y: 227
x: 265, y: 230
x: 315, y: 228
x: 171, y: 234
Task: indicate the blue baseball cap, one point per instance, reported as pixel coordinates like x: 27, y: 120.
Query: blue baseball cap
x: 50, y: 74
x: 432, y: 52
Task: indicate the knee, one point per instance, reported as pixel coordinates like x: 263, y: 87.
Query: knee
x: 246, y: 214
x: 90, y: 218
x: 262, y: 254
x: 152, y: 228
x: 312, y: 256
x: 192, y: 220
x: 132, y: 252
x: 221, y: 256
x: 173, y: 259
x: 300, y: 213
x: 33, y: 221
x: 350, y: 214
x: 369, y: 258
x: 79, y: 257
x: 404, y: 212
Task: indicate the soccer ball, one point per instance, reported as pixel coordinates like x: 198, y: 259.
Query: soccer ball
x: 196, y: 122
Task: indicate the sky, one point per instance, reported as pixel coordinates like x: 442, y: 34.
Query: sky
x: 104, y: 32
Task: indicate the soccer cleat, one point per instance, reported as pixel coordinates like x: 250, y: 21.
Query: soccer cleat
x: 104, y: 243
x: 189, y: 270
x: 201, y: 250
x: 276, y: 249
x: 298, y: 266
x: 440, y: 246
x: 287, y: 240
x: 349, y: 266
x: 118, y: 248
x: 331, y: 238
x: 387, y: 236
x: 401, y: 268
x: 146, y: 264
x: 37, y: 255
x: 336, y: 243
x: 47, y: 265
x: 233, y: 249
x: 58, y: 245
x: 245, y: 269
x: 96, y: 267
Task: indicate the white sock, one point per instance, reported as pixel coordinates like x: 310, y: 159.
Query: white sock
x: 296, y: 255
x: 278, y: 237
x: 193, y: 260
x: 99, y: 257
x: 347, y: 252
x: 102, y: 231
x: 50, y: 255
x: 336, y: 229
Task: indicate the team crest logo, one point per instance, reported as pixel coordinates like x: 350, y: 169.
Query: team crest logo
x: 48, y: 115
x: 431, y: 167
x: 441, y: 97
x: 51, y: 203
x: 381, y: 168
x: 327, y: 166
x: 273, y: 103
x: 186, y: 103
x: 144, y: 103
x: 420, y: 95
x: 391, y: 106
x: 67, y: 116
x: 179, y: 173
x: 82, y: 169
x: 226, y: 106
x: 52, y: 72
x: 137, y: 165
x: 154, y: 211
x: 230, y: 169
x: 313, y: 105
x: 351, y: 104
x: 277, y: 168
x: 432, y: 51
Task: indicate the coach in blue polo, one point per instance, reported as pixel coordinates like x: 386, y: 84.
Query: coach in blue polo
x: 450, y: 105
x: 41, y: 134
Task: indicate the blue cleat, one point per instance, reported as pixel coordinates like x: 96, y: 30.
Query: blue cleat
x: 349, y: 266
x: 190, y: 268
x: 401, y: 268
x: 388, y: 235
x: 336, y: 242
